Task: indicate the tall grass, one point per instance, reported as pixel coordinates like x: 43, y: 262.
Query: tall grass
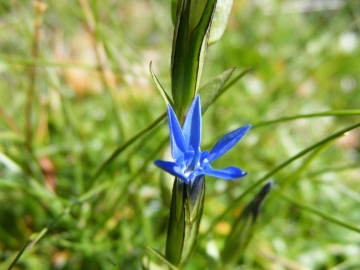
x: 81, y: 123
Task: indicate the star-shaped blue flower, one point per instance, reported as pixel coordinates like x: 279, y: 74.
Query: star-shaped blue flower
x: 190, y: 162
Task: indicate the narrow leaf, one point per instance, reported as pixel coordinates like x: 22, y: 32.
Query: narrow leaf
x: 233, y: 81
x: 311, y: 115
x: 174, y: 4
x: 157, y: 254
x: 324, y: 215
x: 211, y: 89
x: 201, y: 59
x: 221, y: 17
x: 163, y: 93
x: 278, y: 168
x: 19, y: 254
x: 188, y: 43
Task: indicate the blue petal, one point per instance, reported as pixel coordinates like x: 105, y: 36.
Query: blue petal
x: 197, y: 159
x: 199, y: 171
x: 189, y: 156
x: 171, y: 167
x: 177, y: 141
x: 192, y: 124
x: 204, y: 155
x: 228, y: 173
x: 227, y: 142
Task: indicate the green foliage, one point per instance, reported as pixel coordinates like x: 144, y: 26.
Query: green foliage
x: 82, y: 192
x: 191, y: 32
x: 211, y: 89
x: 219, y: 22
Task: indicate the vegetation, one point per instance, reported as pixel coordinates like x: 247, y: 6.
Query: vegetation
x: 81, y: 122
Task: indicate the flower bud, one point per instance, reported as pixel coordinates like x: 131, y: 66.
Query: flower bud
x: 243, y: 228
x: 185, y: 215
x: 192, y: 26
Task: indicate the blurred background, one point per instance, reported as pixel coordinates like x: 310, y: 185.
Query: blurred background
x: 75, y: 85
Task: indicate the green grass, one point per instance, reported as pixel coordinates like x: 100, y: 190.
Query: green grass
x: 81, y: 93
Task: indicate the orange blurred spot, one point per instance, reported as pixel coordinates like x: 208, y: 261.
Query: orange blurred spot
x: 223, y: 228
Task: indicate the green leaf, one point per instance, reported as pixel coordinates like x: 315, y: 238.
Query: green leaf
x: 193, y: 20
x: 201, y: 58
x: 233, y: 81
x: 211, y: 89
x: 158, y: 255
x: 243, y: 228
x: 221, y: 17
x: 174, y: 4
x: 163, y: 93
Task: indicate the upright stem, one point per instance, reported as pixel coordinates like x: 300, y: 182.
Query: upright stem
x: 102, y: 62
x: 40, y: 8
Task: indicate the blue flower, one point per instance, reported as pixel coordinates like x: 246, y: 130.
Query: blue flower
x: 190, y: 162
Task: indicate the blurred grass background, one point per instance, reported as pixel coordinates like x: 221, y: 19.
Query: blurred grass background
x: 75, y: 85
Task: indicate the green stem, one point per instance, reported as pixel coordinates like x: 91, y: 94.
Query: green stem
x: 296, y: 174
x: 125, y: 145
x: 34, y: 238
x: 320, y: 213
x: 32, y: 79
x: 333, y: 169
x: 31, y: 241
x: 102, y: 61
x: 21, y: 251
x: 328, y: 113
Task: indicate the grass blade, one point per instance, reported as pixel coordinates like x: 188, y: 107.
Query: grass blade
x: 320, y: 213
x: 278, y: 168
